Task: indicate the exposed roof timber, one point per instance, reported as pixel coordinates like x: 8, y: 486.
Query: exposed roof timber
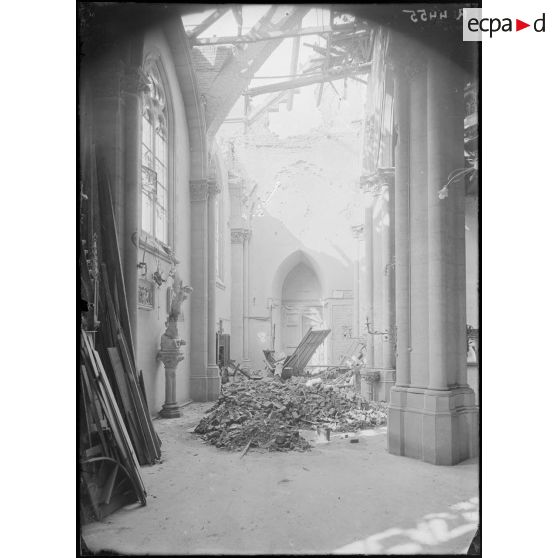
x: 207, y: 22
x: 238, y: 71
x: 358, y: 79
x: 265, y: 107
x: 325, y: 51
x: 334, y: 73
x: 320, y: 92
x: 271, y: 102
x: 237, y: 13
x: 254, y: 37
x: 294, y: 65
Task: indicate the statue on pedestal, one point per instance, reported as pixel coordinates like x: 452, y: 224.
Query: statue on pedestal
x: 170, y: 354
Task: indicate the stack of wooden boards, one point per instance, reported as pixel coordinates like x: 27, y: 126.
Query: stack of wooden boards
x: 116, y: 430
x: 110, y: 476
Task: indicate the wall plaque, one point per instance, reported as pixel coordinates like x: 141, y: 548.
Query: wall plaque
x: 145, y: 294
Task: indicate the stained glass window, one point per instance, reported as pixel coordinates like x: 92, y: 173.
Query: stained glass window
x: 154, y: 191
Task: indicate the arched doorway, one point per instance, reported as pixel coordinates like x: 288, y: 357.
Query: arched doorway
x: 301, y: 309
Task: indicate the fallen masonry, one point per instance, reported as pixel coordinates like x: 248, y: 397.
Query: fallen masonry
x: 269, y: 413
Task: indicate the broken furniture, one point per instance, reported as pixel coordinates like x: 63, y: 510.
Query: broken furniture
x: 231, y: 368
x: 271, y: 362
x: 295, y: 364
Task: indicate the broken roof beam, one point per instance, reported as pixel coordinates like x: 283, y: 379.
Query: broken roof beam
x: 310, y: 80
x: 207, y: 22
x: 293, y: 68
x: 272, y: 101
x: 237, y: 13
x: 253, y: 37
x: 237, y: 72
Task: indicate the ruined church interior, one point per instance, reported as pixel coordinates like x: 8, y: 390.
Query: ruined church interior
x: 279, y: 268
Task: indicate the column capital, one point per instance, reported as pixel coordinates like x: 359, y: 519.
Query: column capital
x: 199, y: 190
x: 238, y: 236
x: 378, y: 182
x: 134, y: 80
x: 213, y: 188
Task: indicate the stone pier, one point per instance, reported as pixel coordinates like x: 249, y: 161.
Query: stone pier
x: 432, y: 412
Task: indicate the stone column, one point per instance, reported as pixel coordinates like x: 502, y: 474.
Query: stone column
x: 199, y: 273
x: 369, y: 295
x: 237, y: 293
x: 357, y: 235
x: 246, y: 299
x: 402, y: 234
x: 380, y: 187
x: 239, y: 237
x: 213, y: 384
x: 432, y: 415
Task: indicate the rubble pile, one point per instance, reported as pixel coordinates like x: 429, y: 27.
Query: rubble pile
x: 268, y: 413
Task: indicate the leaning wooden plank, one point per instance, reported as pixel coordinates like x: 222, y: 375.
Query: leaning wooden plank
x: 92, y: 410
x: 114, y: 416
x: 107, y: 405
x: 109, y: 485
x: 121, y: 452
x: 145, y: 427
x: 128, y: 411
x: 127, y: 455
x: 144, y: 398
x: 142, y: 412
x: 106, y: 384
x: 110, y: 235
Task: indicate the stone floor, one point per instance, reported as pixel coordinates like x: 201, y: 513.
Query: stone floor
x: 340, y: 497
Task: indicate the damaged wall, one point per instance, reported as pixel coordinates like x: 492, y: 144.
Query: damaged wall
x: 303, y: 202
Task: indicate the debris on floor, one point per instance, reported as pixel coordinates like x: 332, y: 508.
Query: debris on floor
x: 269, y: 413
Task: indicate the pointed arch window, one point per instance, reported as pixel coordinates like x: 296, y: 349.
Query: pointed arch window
x: 155, y: 160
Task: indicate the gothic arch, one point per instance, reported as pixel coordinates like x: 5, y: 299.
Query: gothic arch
x: 193, y: 105
x: 288, y: 264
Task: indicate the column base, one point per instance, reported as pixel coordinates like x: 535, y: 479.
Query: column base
x: 206, y: 387
x: 439, y: 427
x: 170, y: 410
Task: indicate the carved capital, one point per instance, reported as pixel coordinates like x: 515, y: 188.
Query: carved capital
x: 134, y: 81
x: 238, y: 236
x: 213, y: 188
x: 199, y: 190
x: 170, y: 357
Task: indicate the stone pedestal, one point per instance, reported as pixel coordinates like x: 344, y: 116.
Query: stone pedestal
x: 437, y: 426
x: 171, y: 354
x: 170, y: 359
